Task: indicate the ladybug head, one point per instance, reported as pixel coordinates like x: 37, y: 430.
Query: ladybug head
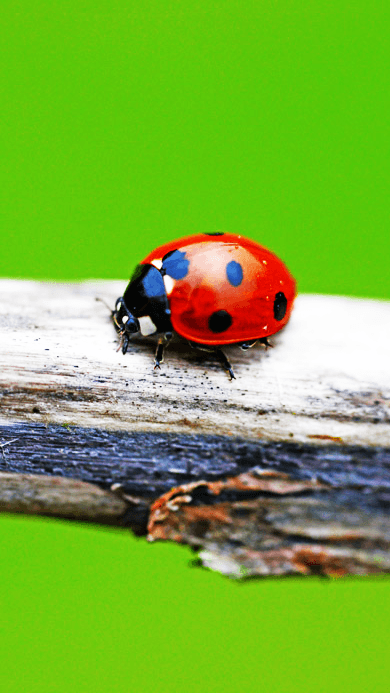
x: 124, y: 320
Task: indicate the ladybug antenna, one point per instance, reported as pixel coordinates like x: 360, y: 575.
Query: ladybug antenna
x: 105, y: 304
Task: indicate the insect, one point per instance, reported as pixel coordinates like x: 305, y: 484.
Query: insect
x: 212, y: 289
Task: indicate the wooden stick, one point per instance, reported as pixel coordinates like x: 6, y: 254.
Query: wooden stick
x: 317, y: 405
x: 327, y: 376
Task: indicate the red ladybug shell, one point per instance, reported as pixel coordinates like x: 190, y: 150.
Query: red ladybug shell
x: 228, y: 276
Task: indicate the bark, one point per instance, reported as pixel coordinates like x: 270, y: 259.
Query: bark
x: 88, y: 433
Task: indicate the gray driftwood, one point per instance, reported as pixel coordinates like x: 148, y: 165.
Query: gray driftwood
x: 88, y: 433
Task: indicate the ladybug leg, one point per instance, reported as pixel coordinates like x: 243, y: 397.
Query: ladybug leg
x: 225, y: 362
x: 219, y: 354
x: 124, y: 342
x: 247, y: 345
x: 163, y: 342
x: 266, y: 343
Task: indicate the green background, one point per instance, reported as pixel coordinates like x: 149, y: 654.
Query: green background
x: 126, y: 124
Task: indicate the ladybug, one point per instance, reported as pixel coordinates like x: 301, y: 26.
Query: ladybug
x: 212, y: 289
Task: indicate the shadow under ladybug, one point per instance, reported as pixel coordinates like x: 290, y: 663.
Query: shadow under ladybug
x: 211, y: 291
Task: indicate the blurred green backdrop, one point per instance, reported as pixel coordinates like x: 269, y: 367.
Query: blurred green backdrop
x: 129, y: 123
x: 125, y: 124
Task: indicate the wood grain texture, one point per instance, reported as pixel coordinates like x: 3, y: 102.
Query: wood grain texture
x: 249, y: 508
x: 148, y: 464
x: 327, y: 376
x: 298, y: 447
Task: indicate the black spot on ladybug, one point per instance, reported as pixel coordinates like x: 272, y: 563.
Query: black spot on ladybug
x: 220, y: 321
x: 234, y: 273
x: 175, y: 264
x: 216, y: 233
x: 280, y: 306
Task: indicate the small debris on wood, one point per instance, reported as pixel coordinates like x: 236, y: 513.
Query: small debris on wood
x: 333, y: 439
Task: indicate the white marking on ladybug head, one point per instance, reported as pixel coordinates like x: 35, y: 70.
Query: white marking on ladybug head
x: 157, y: 264
x: 125, y: 319
x: 147, y: 326
x: 169, y: 283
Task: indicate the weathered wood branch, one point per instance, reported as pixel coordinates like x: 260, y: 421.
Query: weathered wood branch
x: 78, y: 419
